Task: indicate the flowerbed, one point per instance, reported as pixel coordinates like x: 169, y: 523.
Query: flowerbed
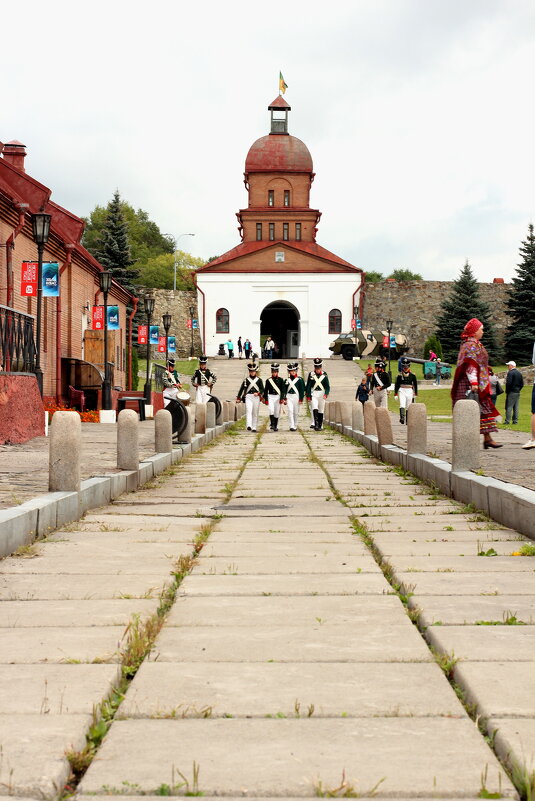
x: 85, y: 417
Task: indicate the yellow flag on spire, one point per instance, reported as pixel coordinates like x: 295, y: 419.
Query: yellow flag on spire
x: 282, y: 85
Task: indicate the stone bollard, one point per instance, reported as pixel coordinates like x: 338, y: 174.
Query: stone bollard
x: 127, y: 440
x: 187, y: 434
x: 346, y: 415
x: 200, y: 418
x: 369, y: 418
x: 358, y: 416
x: 327, y: 414
x: 163, y: 431
x: 383, y: 424
x: 465, y: 436
x: 229, y: 411
x: 210, y: 415
x: 220, y: 418
x: 64, y: 452
x: 417, y: 428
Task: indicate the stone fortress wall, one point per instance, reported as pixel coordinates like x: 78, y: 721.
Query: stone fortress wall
x: 414, y: 307
x: 178, y: 305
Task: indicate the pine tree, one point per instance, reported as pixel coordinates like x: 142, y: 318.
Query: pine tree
x: 113, y: 250
x: 463, y: 303
x: 520, y: 333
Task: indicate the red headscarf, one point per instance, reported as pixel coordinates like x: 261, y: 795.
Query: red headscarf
x: 471, y: 327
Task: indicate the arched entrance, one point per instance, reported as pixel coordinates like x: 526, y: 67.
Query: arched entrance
x: 280, y: 320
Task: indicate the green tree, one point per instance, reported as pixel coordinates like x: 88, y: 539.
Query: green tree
x: 463, y: 303
x: 159, y: 271
x: 432, y: 343
x: 405, y: 275
x: 520, y: 333
x: 373, y: 277
x: 113, y: 246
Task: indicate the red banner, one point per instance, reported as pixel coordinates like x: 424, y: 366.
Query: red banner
x: 142, y: 334
x: 161, y: 344
x: 28, y: 279
x: 353, y: 324
x: 98, y: 318
x: 188, y: 323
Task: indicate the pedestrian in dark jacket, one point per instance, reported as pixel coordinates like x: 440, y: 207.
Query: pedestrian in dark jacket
x: 513, y: 387
x: 363, y: 392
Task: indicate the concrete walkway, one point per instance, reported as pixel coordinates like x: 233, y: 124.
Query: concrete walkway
x: 287, y: 665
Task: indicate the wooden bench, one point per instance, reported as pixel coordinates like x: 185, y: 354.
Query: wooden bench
x: 139, y: 399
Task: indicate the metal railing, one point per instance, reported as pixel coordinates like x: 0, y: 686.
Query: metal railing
x: 17, y: 344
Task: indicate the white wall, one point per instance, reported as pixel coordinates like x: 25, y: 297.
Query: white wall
x: 245, y: 295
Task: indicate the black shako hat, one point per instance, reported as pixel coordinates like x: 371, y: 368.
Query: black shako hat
x: 275, y: 367
x: 318, y: 362
x: 252, y: 366
x: 203, y: 359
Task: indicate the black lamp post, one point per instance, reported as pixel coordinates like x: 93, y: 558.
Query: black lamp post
x: 105, y: 286
x: 191, y: 313
x: 389, y: 326
x: 41, y: 231
x: 167, y: 325
x: 149, y: 308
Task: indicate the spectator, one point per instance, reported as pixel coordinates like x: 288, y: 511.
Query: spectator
x: 230, y: 348
x: 363, y: 391
x: 240, y: 347
x: 438, y: 376
x: 247, y: 348
x: 513, y: 387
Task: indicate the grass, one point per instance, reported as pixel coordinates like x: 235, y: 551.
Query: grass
x: 182, y: 366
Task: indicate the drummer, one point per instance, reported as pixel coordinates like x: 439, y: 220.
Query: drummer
x: 171, y: 383
x: 203, y: 380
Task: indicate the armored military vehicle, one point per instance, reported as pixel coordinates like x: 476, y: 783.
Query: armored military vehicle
x: 367, y: 343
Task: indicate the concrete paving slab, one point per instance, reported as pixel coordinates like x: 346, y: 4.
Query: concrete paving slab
x: 396, y: 547
x: 289, y: 690
x: 123, y: 539
x: 49, y: 565
x: 139, y: 522
x: 80, y: 587
x: 514, y: 740
x: 315, y: 643
x: 278, y: 509
x: 113, y: 547
x: 163, y: 511
x: 468, y: 609
x: 49, y: 644
x: 413, y: 757
x: 468, y: 583
x: 485, y: 643
x: 281, y: 565
x: 55, y: 689
x: 33, y: 752
x: 264, y: 546
x: 287, y: 585
x: 305, y: 610
x: 465, y: 535
x: 281, y: 536
x: 500, y: 689
x: 113, y: 612
x: 465, y: 564
x: 303, y: 524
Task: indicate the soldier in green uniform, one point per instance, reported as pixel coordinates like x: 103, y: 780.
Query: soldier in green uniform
x: 317, y: 390
x: 274, y: 394
x: 250, y: 391
x: 295, y: 392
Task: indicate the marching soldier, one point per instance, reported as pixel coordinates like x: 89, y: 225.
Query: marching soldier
x: 171, y: 383
x: 294, y: 394
x: 379, y: 384
x: 249, y: 393
x: 203, y: 380
x: 317, y: 389
x: 274, y: 394
x: 406, y: 388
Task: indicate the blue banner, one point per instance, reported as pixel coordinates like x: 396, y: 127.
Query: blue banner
x: 154, y: 333
x: 113, y: 318
x: 171, y: 344
x: 50, y: 283
x: 392, y: 341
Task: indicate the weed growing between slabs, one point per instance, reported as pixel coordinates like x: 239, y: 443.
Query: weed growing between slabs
x: 137, y: 643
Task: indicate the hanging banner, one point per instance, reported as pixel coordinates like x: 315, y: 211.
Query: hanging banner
x: 353, y: 324
x: 154, y: 334
x: 161, y: 344
x: 142, y: 334
x: 50, y: 282
x: 195, y: 323
x: 28, y: 279
x: 113, y: 318
x: 188, y: 323
x: 171, y: 344
x: 392, y: 340
x: 97, y: 318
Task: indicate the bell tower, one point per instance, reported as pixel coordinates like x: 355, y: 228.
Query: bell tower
x: 279, y: 115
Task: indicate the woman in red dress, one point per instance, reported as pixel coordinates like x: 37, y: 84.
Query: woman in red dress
x: 472, y: 379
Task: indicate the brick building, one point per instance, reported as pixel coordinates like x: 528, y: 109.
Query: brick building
x: 278, y: 281
x: 71, y: 353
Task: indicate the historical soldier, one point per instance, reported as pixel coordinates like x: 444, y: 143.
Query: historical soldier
x: 294, y: 394
x: 203, y: 380
x: 317, y: 389
x: 379, y: 384
x: 249, y: 393
x: 274, y: 393
x: 171, y: 383
x: 406, y: 388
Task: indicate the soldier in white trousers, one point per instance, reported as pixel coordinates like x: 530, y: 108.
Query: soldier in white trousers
x: 379, y: 384
x: 250, y: 392
x: 317, y: 391
x: 295, y: 392
x: 274, y: 394
x: 203, y: 380
x: 406, y: 389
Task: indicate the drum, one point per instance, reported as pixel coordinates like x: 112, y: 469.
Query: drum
x: 183, y: 397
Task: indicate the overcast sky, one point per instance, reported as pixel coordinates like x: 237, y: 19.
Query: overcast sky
x: 418, y: 115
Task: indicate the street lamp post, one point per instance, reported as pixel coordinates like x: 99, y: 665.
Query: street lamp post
x: 149, y: 308
x: 167, y: 325
x: 175, y: 265
x: 105, y: 286
x: 191, y: 313
x: 389, y: 325
x: 41, y: 231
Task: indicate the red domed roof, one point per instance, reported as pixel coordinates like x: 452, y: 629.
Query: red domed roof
x: 278, y: 153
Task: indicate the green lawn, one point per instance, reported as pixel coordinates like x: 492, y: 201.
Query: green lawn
x: 183, y: 366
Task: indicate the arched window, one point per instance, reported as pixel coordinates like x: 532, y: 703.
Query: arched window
x: 222, y: 321
x: 335, y: 321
